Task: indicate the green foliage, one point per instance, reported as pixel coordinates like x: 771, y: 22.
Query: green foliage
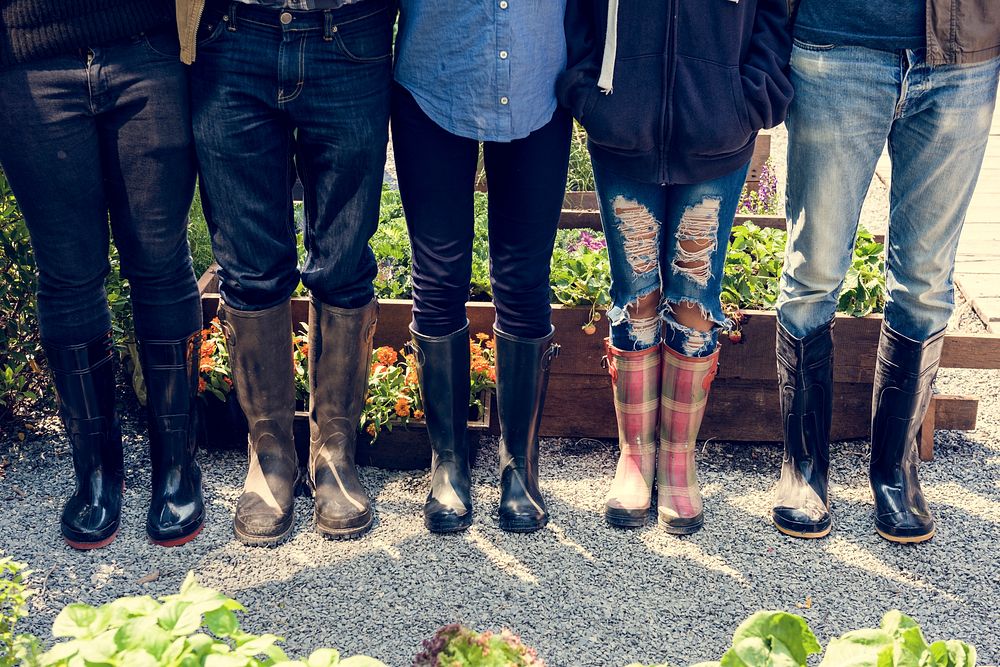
x: 199, y: 239
x: 864, y: 286
x: 580, y: 272
x: 21, y: 376
x: 391, y: 245
x: 898, y: 642
x: 14, y: 595
x: 580, y: 177
x: 458, y: 646
x: 197, y: 626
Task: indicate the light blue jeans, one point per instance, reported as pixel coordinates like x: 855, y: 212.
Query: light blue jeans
x: 645, y: 224
x: 849, y: 101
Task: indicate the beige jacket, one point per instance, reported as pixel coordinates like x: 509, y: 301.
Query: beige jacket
x: 188, y: 17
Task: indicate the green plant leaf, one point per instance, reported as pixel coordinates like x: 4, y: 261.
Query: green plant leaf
x: 221, y: 622
x: 859, y: 648
x: 324, y: 657
x: 75, y: 621
x: 780, y: 632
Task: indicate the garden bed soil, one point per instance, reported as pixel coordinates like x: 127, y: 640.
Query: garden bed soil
x: 744, y: 404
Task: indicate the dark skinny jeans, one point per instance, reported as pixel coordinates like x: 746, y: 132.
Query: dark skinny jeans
x: 104, y: 134
x: 437, y: 172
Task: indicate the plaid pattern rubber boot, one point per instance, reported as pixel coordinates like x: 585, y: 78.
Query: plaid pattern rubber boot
x: 683, y: 397
x: 635, y: 380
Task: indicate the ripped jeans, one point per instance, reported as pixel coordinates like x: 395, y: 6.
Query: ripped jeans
x: 671, y: 239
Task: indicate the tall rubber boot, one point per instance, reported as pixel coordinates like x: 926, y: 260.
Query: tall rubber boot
x: 340, y: 356
x: 260, y: 359
x: 805, y: 385
x: 904, y: 378
x: 635, y: 380
x: 443, y: 372
x: 177, y: 508
x: 683, y: 399
x: 522, y: 377
x: 85, y: 382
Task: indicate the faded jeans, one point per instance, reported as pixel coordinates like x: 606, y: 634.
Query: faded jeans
x: 645, y: 224
x: 848, y: 102
x: 271, y: 86
x: 97, y: 145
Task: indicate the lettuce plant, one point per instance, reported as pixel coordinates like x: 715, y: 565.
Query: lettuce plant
x: 458, y: 646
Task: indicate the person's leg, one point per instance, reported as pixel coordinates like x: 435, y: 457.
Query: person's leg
x: 837, y: 125
x: 527, y: 181
x: 149, y: 172
x: 937, y: 145
x: 50, y: 154
x: 340, y: 107
x: 632, y: 217
x: 243, y: 142
x: 698, y: 221
x: 436, y: 172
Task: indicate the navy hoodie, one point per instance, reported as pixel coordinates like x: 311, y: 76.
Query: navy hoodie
x: 694, y: 80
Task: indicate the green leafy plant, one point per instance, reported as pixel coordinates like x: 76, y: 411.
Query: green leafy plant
x: 14, y: 595
x: 769, y: 638
x: 580, y: 175
x: 197, y: 626
x: 458, y: 646
x: 897, y: 642
x: 864, y: 287
x: 753, y: 268
x: 581, y: 273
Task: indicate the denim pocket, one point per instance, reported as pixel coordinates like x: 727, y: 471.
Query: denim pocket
x: 710, y: 116
x: 163, y: 43
x: 212, y: 26
x: 367, y: 39
x: 807, y: 46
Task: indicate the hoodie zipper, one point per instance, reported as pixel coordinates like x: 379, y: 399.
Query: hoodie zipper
x: 666, y: 112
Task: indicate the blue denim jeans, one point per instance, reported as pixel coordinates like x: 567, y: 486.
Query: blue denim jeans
x: 104, y: 134
x: 275, y: 91
x: 848, y: 102
x: 645, y: 225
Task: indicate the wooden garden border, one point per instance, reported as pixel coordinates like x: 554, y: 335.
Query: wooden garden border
x: 744, y: 404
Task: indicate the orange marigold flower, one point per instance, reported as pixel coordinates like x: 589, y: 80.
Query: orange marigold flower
x: 493, y: 374
x: 227, y: 380
x: 386, y: 355
x: 371, y: 430
x: 481, y: 336
x: 491, y: 343
x: 403, y: 407
x: 418, y: 414
x: 411, y: 377
x: 206, y: 366
x: 201, y: 385
x: 207, y: 348
x: 304, y: 349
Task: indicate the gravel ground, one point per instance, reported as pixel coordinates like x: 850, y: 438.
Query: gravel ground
x: 579, y: 591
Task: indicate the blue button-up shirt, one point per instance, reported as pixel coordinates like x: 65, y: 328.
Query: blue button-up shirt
x: 482, y: 69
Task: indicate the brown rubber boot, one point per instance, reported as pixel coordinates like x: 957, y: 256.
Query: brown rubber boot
x: 340, y: 355
x: 260, y: 357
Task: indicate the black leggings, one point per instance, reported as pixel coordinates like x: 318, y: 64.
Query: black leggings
x: 437, y: 172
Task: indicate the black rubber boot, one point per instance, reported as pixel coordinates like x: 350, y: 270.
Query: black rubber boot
x: 340, y: 355
x: 805, y: 385
x: 522, y: 377
x: 443, y: 372
x: 85, y: 381
x: 260, y: 359
x: 904, y: 378
x: 177, y: 508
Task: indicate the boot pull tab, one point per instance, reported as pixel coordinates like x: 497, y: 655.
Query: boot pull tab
x: 418, y: 356
x: 608, y: 363
x: 549, y: 355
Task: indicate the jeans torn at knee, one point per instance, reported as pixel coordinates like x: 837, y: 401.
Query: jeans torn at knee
x: 644, y: 331
x: 699, y: 224
x: 696, y: 343
x: 639, y: 231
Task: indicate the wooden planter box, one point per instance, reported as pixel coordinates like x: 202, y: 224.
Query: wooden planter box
x: 744, y: 404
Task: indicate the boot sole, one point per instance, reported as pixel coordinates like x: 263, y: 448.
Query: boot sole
x: 343, y: 533
x: 622, y: 518
x: 87, y: 546
x: 263, y: 540
x: 804, y: 534
x: 522, y: 526
x: 178, y: 541
x: 912, y: 539
x: 457, y: 525
x: 689, y: 527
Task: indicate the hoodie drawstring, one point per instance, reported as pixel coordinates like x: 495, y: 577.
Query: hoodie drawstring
x: 606, y: 80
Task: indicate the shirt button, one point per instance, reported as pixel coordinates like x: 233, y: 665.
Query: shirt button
x: 503, y: 4
x: 503, y: 55
x: 504, y: 100
x: 285, y: 18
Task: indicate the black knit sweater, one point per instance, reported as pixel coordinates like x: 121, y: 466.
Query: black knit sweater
x: 35, y: 29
